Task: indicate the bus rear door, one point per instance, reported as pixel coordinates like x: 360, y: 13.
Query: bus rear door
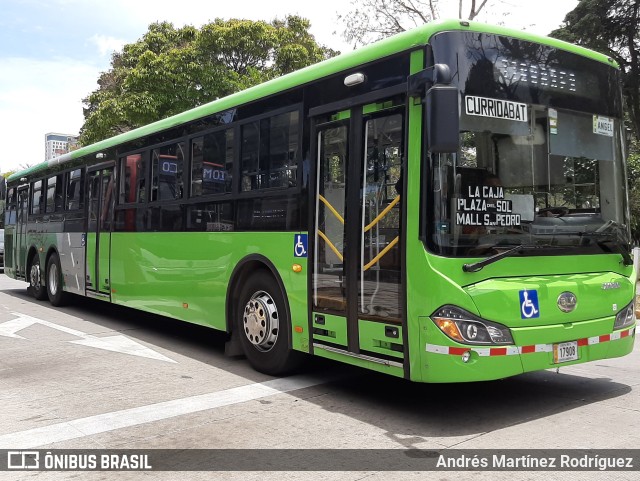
x: 20, y: 243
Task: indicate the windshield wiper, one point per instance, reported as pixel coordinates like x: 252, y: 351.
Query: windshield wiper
x: 476, y: 266
x: 619, y: 239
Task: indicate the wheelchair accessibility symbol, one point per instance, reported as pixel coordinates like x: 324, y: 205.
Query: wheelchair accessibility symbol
x: 300, y: 245
x: 529, y: 307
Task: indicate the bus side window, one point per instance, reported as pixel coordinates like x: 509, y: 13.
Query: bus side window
x: 166, y: 172
x: 36, y: 197
x: 12, y: 201
x: 132, y: 184
x: 212, y: 162
x: 73, y: 200
x: 54, y: 194
x: 269, y: 154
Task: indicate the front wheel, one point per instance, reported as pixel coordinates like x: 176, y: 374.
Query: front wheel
x: 264, y: 327
x: 56, y: 294
x: 35, y: 279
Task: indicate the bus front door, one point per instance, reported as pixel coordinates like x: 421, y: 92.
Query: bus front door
x: 20, y: 243
x: 98, y: 239
x: 356, y: 262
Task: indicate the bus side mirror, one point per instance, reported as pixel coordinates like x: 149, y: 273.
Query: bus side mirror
x: 443, y: 121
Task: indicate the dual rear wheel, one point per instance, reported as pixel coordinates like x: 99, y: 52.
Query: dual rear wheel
x: 52, y: 288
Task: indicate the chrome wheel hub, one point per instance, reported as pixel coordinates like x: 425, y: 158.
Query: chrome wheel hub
x: 260, y: 321
x: 34, y: 276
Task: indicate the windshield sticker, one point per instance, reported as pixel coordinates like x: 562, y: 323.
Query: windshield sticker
x: 486, y: 206
x: 498, y: 109
x: 602, y: 125
x: 553, y: 121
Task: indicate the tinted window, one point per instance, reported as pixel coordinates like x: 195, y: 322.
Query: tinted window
x: 132, y: 179
x: 75, y: 188
x: 166, y: 172
x: 500, y: 67
x: 269, y: 152
x: 54, y: 195
x: 36, y: 197
x: 212, y: 160
x: 211, y: 217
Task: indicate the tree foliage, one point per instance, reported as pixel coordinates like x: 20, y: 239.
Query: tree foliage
x: 371, y: 20
x: 170, y: 69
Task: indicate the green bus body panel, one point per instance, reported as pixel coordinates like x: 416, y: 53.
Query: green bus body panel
x: 374, y: 339
x: 186, y: 275
x: 336, y: 327
x: 356, y: 361
x: 414, y: 248
x: 92, y: 281
x: 404, y: 41
x: 492, y: 296
x: 103, y: 261
x: 451, y: 368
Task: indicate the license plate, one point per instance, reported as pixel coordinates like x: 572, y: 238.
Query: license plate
x: 565, y: 351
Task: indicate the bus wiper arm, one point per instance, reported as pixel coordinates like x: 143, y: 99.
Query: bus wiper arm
x: 618, y: 239
x: 617, y: 243
x: 476, y: 266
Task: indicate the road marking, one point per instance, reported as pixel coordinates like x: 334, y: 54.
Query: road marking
x: 117, y: 343
x: 102, y: 423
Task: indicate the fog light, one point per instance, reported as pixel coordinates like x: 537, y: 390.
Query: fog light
x: 466, y: 356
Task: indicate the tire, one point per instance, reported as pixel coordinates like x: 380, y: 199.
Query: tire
x: 55, y: 292
x: 264, y: 326
x: 36, y: 288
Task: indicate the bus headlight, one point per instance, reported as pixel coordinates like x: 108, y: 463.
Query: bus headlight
x: 626, y: 317
x: 466, y: 328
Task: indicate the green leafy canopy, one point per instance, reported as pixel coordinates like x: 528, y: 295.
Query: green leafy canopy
x: 170, y: 70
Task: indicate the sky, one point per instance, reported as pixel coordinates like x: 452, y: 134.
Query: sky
x: 52, y: 51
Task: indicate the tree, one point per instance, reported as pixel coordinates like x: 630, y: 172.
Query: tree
x: 633, y: 173
x: 611, y: 27
x: 371, y: 20
x: 170, y: 70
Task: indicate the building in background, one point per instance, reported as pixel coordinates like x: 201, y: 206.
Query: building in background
x: 58, y: 144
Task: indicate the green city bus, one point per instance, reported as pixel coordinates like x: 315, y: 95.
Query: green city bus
x: 446, y: 205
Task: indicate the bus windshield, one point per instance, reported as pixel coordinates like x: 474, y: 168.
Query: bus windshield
x: 527, y: 172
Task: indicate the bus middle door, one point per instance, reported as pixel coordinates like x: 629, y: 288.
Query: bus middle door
x: 356, y: 269
x: 100, y: 213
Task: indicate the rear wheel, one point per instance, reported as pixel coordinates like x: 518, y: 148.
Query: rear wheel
x: 264, y: 327
x: 35, y: 279
x: 56, y: 294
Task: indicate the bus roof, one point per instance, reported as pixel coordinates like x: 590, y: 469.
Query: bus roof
x: 404, y: 41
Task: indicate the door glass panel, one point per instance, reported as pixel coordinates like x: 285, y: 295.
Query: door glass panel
x: 23, y: 196
x: 329, y: 281
x: 94, y: 197
x: 379, y: 282
x: 107, y: 200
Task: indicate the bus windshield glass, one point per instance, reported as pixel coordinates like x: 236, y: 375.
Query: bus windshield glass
x: 540, y: 161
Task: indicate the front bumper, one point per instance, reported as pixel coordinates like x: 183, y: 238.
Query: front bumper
x: 442, y: 358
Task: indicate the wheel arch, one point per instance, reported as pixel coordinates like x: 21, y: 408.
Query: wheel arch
x: 242, y: 271
x: 52, y: 250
